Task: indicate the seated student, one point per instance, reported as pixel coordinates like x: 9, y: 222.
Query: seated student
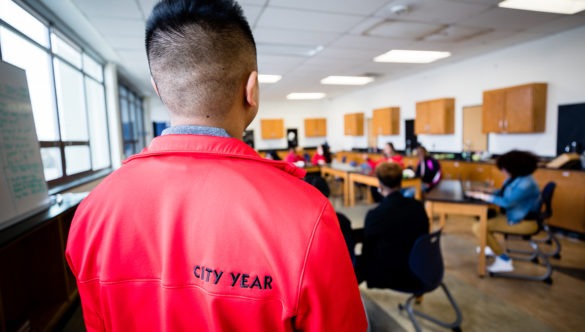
x: 322, y: 156
x: 390, y: 155
x: 344, y: 223
x: 293, y: 156
x: 390, y: 232
x: 428, y: 169
x: 518, y: 196
x: 272, y: 155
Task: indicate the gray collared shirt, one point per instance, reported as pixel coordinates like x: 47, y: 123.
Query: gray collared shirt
x: 195, y: 130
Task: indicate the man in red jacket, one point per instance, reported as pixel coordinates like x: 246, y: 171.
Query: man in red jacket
x: 198, y: 232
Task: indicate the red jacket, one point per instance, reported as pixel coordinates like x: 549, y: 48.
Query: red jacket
x: 200, y: 233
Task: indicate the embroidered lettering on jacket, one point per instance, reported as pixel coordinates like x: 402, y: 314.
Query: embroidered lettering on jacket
x: 236, y: 279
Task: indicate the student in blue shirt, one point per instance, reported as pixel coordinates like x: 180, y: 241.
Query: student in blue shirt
x: 517, y: 197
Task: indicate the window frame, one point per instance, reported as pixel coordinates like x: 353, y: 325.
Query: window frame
x: 67, y: 181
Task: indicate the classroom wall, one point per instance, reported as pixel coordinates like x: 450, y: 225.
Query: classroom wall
x: 556, y: 60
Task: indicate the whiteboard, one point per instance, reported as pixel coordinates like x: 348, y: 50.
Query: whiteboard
x: 23, y: 189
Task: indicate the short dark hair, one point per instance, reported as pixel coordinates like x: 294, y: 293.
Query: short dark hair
x: 199, y: 53
x: 389, y: 174
x: 517, y: 163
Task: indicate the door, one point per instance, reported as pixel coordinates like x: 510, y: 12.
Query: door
x: 473, y: 137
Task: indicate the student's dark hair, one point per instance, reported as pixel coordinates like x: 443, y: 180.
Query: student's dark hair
x: 319, y: 183
x: 391, y: 145
x: 517, y: 163
x: 326, y: 153
x: 199, y: 53
x: 389, y: 174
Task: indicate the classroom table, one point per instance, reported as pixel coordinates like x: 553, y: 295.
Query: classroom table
x: 341, y: 171
x: 447, y: 198
x: 371, y: 180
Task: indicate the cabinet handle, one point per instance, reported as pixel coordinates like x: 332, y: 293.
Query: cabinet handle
x: 506, y: 124
x: 500, y: 124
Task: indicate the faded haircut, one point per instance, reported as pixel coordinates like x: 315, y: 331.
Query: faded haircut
x: 200, y: 52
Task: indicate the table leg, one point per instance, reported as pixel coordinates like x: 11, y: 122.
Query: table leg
x: 429, y: 209
x: 482, y: 243
x: 346, y: 191
x: 351, y: 194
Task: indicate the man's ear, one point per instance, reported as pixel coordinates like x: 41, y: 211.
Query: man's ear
x: 154, y: 85
x: 252, y: 90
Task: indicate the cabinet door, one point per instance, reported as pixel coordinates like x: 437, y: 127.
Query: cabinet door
x: 316, y: 127
x: 441, y: 116
x: 386, y: 121
x: 494, y: 103
x: 518, y: 117
x: 567, y: 205
x: 354, y: 124
x: 525, y: 108
x: 272, y: 128
x: 421, y: 122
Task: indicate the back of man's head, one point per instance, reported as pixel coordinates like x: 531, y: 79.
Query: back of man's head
x: 389, y: 174
x: 200, y: 53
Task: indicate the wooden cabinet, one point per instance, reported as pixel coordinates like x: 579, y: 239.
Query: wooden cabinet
x: 354, y: 124
x: 386, y: 121
x: 568, y: 203
x: 272, y: 128
x: 435, y: 117
x: 36, y: 286
x: 518, y: 109
x: 316, y: 127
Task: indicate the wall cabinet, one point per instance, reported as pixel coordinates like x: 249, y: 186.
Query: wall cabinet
x: 518, y: 109
x: 386, y: 121
x: 435, y: 117
x: 272, y: 128
x: 316, y: 127
x: 354, y: 124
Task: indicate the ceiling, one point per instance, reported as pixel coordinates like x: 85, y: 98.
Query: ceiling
x: 307, y: 40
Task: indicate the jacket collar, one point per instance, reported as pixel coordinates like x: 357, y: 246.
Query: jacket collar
x: 210, y: 146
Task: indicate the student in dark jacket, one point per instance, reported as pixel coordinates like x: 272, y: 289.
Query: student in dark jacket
x: 390, y: 232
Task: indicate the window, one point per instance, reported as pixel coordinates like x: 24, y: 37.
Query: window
x: 66, y: 87
x: 132, y: 113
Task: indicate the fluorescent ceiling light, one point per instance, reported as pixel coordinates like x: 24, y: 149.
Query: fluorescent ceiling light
x: 305, y: 96
x: 268, y: 78
x: 547, y: 6
x: 347, y: 80
x: 407, y: 56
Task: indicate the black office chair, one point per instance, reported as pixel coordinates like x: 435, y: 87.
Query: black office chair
x: 426, y: 263
x: 537, y: 255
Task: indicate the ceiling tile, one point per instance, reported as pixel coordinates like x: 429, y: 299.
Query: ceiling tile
x: 119, y: 27
x: 252, y: 13
x: 370, y: 43
x: 332, y: 6
x: 502, y: 18
x: 402, y: 29
x: 435, y: 11
x: 293, y: 37
x: 306, y: 20
x: 109, y: 8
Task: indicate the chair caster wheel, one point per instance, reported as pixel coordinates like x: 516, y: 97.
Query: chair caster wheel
x: 400, y: 307
x: 456, y: 329
x: 557, y: 256
x: 548, y: 281
x: 534, y: 260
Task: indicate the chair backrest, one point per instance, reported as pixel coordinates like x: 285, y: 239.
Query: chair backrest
x: 426, y: 260
x: 546, y: 199
x: 544, y: 210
